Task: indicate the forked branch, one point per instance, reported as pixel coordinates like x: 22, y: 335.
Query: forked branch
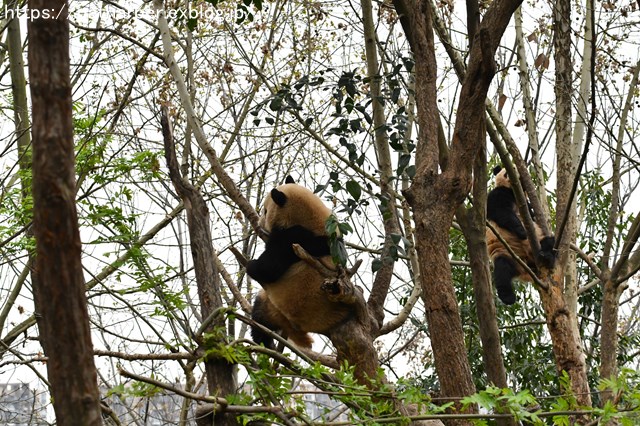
x: 337, y: 283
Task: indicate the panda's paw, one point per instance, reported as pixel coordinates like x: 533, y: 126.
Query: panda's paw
x: 547, y: 243
x: 262, y: 338
x: 547, y: 254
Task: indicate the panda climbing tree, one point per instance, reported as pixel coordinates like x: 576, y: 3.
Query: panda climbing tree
x: 503, y: 215
x: 292, y: 299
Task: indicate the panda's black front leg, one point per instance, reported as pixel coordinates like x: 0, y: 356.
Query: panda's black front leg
x: 504, y: 271
x: 547, y: 254
x: 265, y: 270
x: 276, y: 259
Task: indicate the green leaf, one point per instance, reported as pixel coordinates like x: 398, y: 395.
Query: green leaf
x: 338, y: 252
x: 275, y: 104
x: 483, y: 399
x: 376, y: 265
x: 354, y: 189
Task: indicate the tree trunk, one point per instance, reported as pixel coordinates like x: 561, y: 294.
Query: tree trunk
x: 23, y: 138
x: 382, y: 281
x: 19, y: 92
x: 560, y: 299
x: 433, y: 215
x: 567, y: 347
x: 59, y: 290
x: 566, y: 154
x: 220, y: 373
x: 472, y: 222
x: 609, y: 334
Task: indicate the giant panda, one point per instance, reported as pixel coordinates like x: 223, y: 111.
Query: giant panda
x: 502, y: 213
x: 291, y: 300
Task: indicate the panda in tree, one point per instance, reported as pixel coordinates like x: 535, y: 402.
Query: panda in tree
x: 502, y: 213
x: 292, y: 300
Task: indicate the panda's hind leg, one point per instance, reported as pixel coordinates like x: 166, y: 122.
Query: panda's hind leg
x: 504, y: 271
x: 547, y: 255
x: 265, y: 313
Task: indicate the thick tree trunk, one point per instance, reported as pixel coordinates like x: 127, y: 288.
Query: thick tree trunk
x: 566, y: 154
x: 609, y: 333
x: 220, y: 373
x: 567, y: 347
x: 433, y: 214
x: 433, y: 221
x: 59, y: 290
x: 472, y: 222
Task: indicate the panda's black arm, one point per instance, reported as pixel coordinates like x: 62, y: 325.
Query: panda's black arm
x: 278, y: 255
x: 501, y: 205
x: 315, y: 245
x: 276, y: 259
x: 266, y: 269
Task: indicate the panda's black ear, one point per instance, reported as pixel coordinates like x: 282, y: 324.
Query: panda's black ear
x: 496, y: 170
x: 289, y: 179
x: 279, y: 197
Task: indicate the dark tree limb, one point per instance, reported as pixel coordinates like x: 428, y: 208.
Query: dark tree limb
x: 220, y: 374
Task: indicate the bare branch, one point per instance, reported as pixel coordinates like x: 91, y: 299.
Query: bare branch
x: 141, y: 357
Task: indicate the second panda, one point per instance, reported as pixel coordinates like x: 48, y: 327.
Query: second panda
x: 502, y: 213
x: 291, y: 300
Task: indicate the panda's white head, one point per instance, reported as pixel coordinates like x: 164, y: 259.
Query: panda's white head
x: 291, y: 204
x: 501, y: 177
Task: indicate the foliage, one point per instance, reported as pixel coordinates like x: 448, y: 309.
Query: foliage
x: 336, y: 232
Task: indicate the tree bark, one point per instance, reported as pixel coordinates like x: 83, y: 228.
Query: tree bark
x: 383, y: 277
x: 23, y: 138
x: 19, y: 92
x: 59, y: 290
x: 472, y: 222
x: 560, y: 299
x: 220, y: 373
x: 567, y: 156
